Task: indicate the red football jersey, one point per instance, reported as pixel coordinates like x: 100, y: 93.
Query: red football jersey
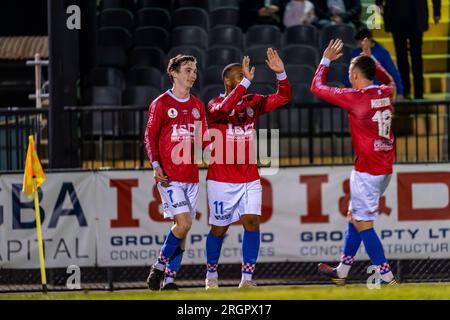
x: 235, y: 117
x: 171, y: 131
x: 370, y: 117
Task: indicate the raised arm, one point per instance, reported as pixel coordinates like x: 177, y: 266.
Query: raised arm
x: 218, y: 110
x: 341, y: 97
x: 283, y: 95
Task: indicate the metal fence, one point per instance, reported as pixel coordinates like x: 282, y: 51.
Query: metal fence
x: 310, y: 134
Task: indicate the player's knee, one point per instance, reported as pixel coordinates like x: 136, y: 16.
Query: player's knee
x: 184, y: 226
x: 218, y: 232
x: 251, y: 222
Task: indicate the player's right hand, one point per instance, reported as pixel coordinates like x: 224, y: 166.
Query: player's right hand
x: 248, y: 73
x: 334, y: 50
x: 159, y: 175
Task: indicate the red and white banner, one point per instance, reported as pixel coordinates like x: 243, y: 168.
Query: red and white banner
x: 113, y: 218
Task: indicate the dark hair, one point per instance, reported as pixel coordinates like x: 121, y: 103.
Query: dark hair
x: 366, y: 65
x: 228, y: 68
x: 363, y: 33
x: 176, y: 62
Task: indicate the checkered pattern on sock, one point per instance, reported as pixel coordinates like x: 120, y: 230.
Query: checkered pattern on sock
x: 248, y: 267
x: 384, y: 268
x: 348, y: 260
x: 170, y: 273
x: 162, y: 260
x: 211, y: 267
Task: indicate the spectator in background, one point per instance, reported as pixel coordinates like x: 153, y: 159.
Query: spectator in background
x: 408, y: 20
x: 298, y: 12
x: 261, y: 12
x: 337, y: 12
x: 381, y: 54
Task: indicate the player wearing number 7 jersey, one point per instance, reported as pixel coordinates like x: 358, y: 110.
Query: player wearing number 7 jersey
x: 370, y: 113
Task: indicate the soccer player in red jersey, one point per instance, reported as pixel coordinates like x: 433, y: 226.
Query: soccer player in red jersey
x: 233, y: 182
x: 370, y: 115
x: 169, y: 141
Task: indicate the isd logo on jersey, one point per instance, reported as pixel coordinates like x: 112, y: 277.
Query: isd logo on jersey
x: 250, y: 112
x: 195, y: 113
x: 172, y: 113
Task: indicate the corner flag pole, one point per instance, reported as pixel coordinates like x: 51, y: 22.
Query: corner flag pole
x: 39, y: 234
x: 32, y: 179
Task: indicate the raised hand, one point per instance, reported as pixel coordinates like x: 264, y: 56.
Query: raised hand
x: 334, y: 50
x: 365, y: 46
x: 248, y: 73
x: 274, y: 61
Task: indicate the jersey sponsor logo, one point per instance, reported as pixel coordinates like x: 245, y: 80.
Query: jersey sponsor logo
x: 180, y: 204
x: 250, y: 112
x: 182, y: 131
x: 165, y: 206
x: 383, y: 145
x: 240, y: 132
x: 196, y: 113
x: 380, y: 103
x: 223, y: 217
x: 172, y: 113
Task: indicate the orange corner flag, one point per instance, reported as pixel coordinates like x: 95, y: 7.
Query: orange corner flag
x: 33, y: 169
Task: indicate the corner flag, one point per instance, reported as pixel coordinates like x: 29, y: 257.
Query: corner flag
x: 32, y: 179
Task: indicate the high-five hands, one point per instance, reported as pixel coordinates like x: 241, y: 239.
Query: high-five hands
x: 334, y: 50
x: 274, y: 61
x: 248, y: 73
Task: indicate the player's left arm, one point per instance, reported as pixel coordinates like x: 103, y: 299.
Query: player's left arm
x: 282, y: 97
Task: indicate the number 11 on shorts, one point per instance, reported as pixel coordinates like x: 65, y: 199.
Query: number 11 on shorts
x: 218, y: 204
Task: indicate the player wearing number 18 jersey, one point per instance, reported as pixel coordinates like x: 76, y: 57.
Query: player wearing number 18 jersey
x: 370, y: 113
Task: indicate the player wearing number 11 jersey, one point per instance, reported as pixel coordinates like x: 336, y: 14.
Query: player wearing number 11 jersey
x: 370, y: 114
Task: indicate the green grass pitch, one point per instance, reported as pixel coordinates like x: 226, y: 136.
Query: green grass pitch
x: 306, y: 292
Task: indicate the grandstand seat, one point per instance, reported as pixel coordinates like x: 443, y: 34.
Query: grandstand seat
x: 139, y: 95
x: 226, y: 35
x: 261, y: 88
x: 114, y: 37
x: 111, y: 57
x: 190, y: 16
x: 102, y: 96
x: 267, y: 35
x: 224, y: 16
x: 144, y: 76
x: 215, y: 4
x: 223, y: 55
x: 151, y: 36
x: 116, y: 18
x: 203, y: 4
x: 264, y: 75
x: 295, y: 118
x: 164, y: 4
x: 337, y: 72
x: 300, y: 73
x: 344, y: 32
x: 300, y: 54
x: 302, y: 34
x: 147, y: 56
x: 257, y: 54
x: 211, y: 91
x: 105, y: 77
x: 153, y: 17
x: 190, y: 35
x: 101, y: 123
x: 189, y: 50
x: 114, y: 4
x: 213, y: 75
